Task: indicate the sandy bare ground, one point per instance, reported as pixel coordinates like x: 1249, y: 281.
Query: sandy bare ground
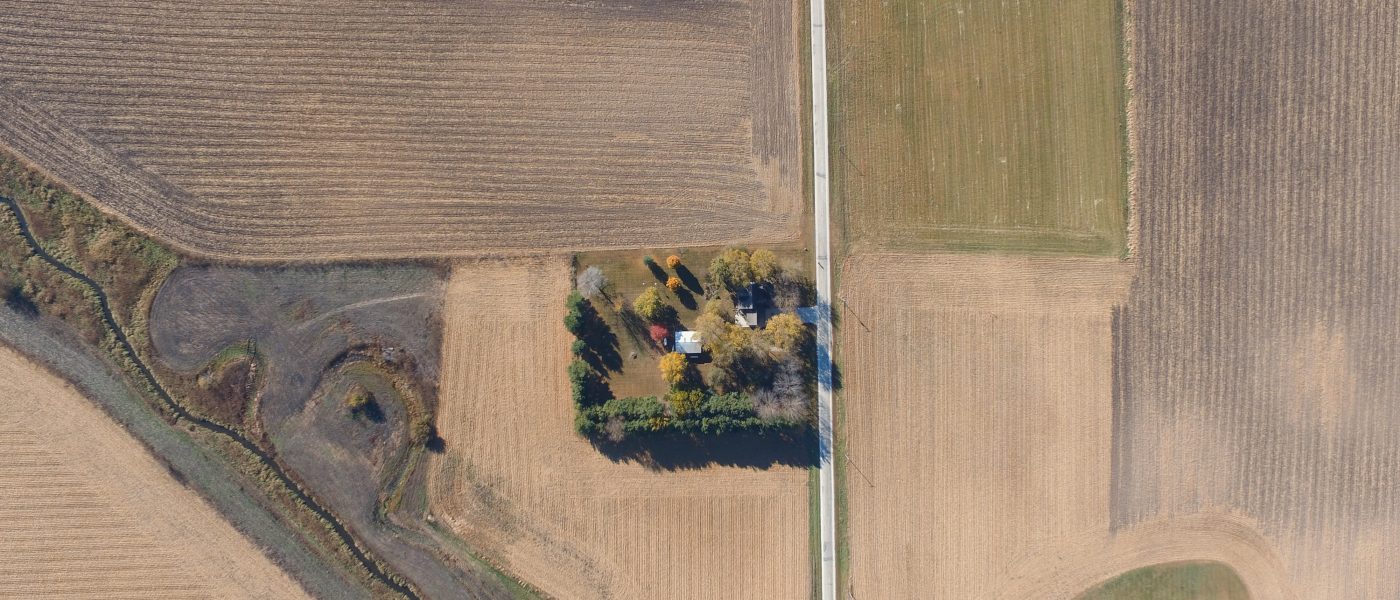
x: 327, y: 129
x: 978, y: 417
x: 86, y: 512
x: 517, y: 483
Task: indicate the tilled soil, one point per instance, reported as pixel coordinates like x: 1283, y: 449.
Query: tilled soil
x: 79, y: 523
x: 323, y: 129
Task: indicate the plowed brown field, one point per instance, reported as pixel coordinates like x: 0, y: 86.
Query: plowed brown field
x: 1257, y: 355
x: 326, y: 129
x: 518, y: 484
x: 86, y: 512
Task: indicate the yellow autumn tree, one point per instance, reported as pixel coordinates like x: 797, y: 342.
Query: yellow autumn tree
x: 785, y: 331
x: 673, y: 261
x: 732, y: 268
x: 763, y: 264
x: 649, y: 304
x: 673, y: 283
x: 712, y: 327
x: 673, y: 367
x: 684, y: 401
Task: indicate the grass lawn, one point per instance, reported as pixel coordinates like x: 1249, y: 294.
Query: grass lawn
x: 628, y: 276
x: 962, y: 125
x: 1175, y: 581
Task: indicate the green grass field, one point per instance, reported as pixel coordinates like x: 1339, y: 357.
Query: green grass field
x: 979, y: 125
x: 1175, y: 581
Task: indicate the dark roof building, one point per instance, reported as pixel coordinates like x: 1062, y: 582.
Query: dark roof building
x: 753, y: 304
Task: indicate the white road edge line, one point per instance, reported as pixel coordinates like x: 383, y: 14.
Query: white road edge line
x: 821, y: 194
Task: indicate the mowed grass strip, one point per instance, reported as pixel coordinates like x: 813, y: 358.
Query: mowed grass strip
x: 980, y: 125
x: 1177, y: 581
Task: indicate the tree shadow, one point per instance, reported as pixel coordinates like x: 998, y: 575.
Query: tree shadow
x: 436, y: 444
x: 602, y: 343
x: 827, y: 371
x: 657, y: 272
x: 686, y: 298
x: 20, y: 303
x: 370, y: 411
x: 796, y: 447
x: 689, y: 280
x: 636, y: 328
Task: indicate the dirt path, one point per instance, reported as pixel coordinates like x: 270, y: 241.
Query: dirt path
x: 79, y: 523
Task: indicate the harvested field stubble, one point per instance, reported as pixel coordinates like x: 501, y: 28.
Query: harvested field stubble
x: 75, y: 523
x: 317, y: 130
x: 1253, y: 364
x: 519, y: 484
x: 1257, y: 355
x: 978, y: 419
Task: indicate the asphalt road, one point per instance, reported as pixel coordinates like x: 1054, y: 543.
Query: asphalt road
x: 822, y: 198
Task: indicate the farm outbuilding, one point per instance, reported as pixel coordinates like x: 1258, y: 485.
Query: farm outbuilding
x: 689, y: 342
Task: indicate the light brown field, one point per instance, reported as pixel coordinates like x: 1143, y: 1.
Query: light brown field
x: 978, y: 419
x: 324, y: 129
x: 519, y: 485
x: 86, y: 512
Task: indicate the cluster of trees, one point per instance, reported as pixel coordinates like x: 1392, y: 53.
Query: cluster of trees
x: 592, y: 349
x: 737, y: 267
x: 761, y: 379
x: 587, y: 386
x: 575, y: 315
x: 707, y: 414
x: 742, y: 355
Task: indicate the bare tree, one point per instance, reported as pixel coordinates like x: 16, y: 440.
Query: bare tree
x: 614, y: 429
x: 789, y: 291
x: 787, y: 398
x: 591, y: 282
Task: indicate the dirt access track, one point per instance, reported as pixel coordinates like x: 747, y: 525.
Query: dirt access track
x: 87, y: 512
x: 329, y: 130
x: 518, y: 484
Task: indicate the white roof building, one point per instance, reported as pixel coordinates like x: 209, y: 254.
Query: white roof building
x: 688, y: 342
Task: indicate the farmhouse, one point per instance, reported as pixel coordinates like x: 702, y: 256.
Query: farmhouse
x: 689, y: 342
x: 753, y: 305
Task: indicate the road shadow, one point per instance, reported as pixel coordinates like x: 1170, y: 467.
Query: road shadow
x: 674, y: 452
